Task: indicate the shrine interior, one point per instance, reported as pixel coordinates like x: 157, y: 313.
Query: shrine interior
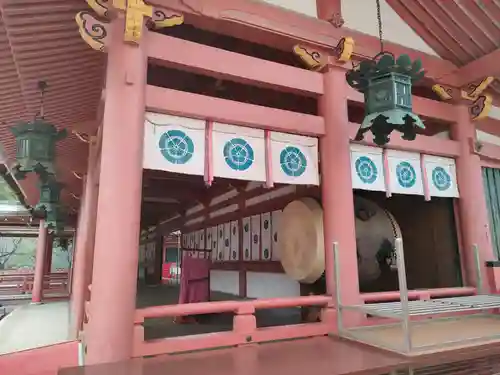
x: 429, y: 233
x: 167, y: 197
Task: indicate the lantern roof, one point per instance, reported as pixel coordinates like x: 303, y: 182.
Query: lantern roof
x: 38, y: 126
x: 382, y: 65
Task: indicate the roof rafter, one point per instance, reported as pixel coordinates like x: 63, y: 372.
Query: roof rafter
x: 476, y: 70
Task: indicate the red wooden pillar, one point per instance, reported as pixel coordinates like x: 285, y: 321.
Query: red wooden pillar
x: 41, y: 246
x: 336, y: 188
x: 82, y: 260
x: 48, y: 254
x: 90, y: 238
x: 109, y: 337
x: 472, y: 207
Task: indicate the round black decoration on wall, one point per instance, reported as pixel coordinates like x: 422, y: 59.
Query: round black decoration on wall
x: 246, y: 228
x: 247, y: 253
x: 266, y: 253
x: 255, y: 238
x: 266, y: 224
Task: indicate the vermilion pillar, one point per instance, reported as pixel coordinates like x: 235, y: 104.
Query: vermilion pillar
x: 83, y: 245
x: 48, y: 254
x: 473, y: 211
x: 109, y: 337
x: 41, y: 246
x: 336, y: 188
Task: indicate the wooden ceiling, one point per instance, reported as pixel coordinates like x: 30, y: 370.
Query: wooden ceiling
x: 460, y: 31
x: 39, y: 41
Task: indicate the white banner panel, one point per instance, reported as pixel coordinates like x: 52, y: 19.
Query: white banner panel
x: 227, y: 241
x: 238, y: 152
x: 276, y: 215
x: 405, y: 172
x: 266, y: 236
x: 213, y: 236
x: 247, y: 242
x: 367, y: 168
x: 196, y: 240
x: 441, y: 176
x: 294, y: 159
x: 220, y: 242
x: 191, y: 240
x: 208, y: 239
x: 202, y: 239
x: 235, y: 243
x: 255, y: 237
x: 174, y: 144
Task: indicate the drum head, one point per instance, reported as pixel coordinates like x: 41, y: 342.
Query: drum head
x: 301, y: 246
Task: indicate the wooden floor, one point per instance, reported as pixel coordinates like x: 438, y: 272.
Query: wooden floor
x: 318, y: 356
x: 34, y: 325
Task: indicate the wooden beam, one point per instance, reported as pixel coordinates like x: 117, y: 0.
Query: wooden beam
x: 476, y: 70
x: 277, y: 27
x: 198, y: 58
x: 227, y: 111
x: 331, y: 11
x: 423, y: 144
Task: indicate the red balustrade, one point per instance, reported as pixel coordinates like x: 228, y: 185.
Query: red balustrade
x: 15, y: 283
x: 245, y: 330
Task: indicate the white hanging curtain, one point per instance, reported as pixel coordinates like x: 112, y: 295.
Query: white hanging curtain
x: 367, y: 168
x: 174, y: 144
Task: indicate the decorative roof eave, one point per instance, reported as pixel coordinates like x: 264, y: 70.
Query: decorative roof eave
x: 479, y: 103
x: 466, y: 33
x: 283, y: 29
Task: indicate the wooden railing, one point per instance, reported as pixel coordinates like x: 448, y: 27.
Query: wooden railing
x: 19, y: 283
x: 245, y: 330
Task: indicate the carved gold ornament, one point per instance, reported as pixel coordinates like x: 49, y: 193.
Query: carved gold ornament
x: 313, y: 59
x: 316, y: 60
x: 92, y: 30
x: 135, y: 12
x: 479, y: 104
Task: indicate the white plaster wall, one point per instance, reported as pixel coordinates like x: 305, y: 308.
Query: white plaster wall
x: 487, y: 137
x: 443, y: 135
x: 307, y: 7
x: 494, y: 113
x: 225, y: 281
x: 361, y: 15
x: 271, y: 285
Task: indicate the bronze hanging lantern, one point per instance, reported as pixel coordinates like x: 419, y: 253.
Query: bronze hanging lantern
x: 49, y: 205
x: 50, y: 192
x: 36, y: 142
x: 386, y: 84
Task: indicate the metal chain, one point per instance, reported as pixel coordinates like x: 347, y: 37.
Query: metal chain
x: 379, y: 19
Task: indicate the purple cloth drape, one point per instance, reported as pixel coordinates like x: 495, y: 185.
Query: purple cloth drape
x: 195, y: 285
